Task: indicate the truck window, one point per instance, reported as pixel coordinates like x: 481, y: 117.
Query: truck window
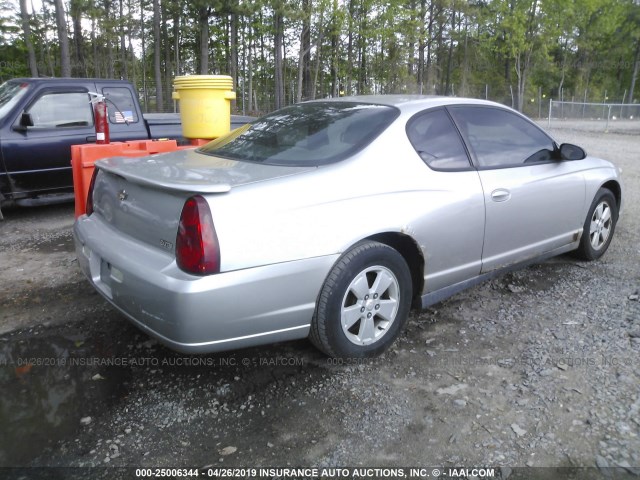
x: 61, y: 110
x: 10, y: 95
x: 120, y: 105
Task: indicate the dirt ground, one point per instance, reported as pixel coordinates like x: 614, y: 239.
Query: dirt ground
x: 538, y: 368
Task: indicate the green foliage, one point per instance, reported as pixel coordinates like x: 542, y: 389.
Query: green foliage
x: 507, y: 50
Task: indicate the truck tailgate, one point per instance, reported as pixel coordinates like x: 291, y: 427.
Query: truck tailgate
x: 163, y: 125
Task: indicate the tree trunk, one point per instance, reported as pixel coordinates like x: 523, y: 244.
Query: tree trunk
x: 250, y: 68
x: 523, y: 59
x: 107, y: 19
x: 306, y: 50
x: 440, y: 43
x: 507, y: 60
x: 176, y: 41
x: 156, y: 55
x: 145, y: 94
x: 168, y: 69
x: 521, y: 74
x: 335, y: 39
x: 411, y: 44
x: 46, y: 20
x: 300, y: 69
x: 130, y: 41
x: 284, y: 68
x: 465, y: 60
x: 233, y: 55
x: 318, y: 55
x: 63, y: 38
x: 124, y: 71
x: 203, y: 17
x: 350, y: 19
x: 447, y: 87
x: 427, y: 80
x: 362, y: 50
x: 422, y: 45
x: 278, y: 41
x: 522, y: 71
x: 78, y: 43
x: 94, y: 45
x: 263, y: 62
x: 564, y: 59
x: 634, y: 76
x: 26, y: 29
x: 243, y: 41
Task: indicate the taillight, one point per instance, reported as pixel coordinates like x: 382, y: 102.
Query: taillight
x: 89, y: 206
x: 197, y: 248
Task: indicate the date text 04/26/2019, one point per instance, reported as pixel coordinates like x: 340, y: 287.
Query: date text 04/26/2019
x: 319, y: 473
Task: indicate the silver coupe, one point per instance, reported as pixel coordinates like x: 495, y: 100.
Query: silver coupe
x: 331, y: 219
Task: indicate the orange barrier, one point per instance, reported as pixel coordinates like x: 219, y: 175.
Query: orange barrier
x: 84, y: 156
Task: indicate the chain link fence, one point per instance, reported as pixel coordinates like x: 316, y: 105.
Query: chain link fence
x: 595, y: 117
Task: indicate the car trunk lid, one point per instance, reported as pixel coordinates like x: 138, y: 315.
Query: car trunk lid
x: 190, y: 171
x: 143, y: 197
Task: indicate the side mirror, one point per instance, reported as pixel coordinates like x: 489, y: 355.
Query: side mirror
x: 571, y: 152
x: 26, y: 120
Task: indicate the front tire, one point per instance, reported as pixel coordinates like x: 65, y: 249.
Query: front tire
x: 364, y: 302
x: 599, y: 226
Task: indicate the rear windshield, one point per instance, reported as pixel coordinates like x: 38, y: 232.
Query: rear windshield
x: 121, y: 106
x: 307, y: 134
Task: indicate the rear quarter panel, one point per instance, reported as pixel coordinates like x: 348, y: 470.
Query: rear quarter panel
x: 386, y: 188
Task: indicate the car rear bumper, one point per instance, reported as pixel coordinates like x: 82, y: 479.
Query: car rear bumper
x: 193, y: 314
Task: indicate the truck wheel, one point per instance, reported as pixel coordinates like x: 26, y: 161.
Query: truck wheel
x: 364, y: 302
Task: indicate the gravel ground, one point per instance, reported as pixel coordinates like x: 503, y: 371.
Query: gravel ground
x: 537, y: 368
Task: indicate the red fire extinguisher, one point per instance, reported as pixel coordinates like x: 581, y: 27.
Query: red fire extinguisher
x: 101, y: 118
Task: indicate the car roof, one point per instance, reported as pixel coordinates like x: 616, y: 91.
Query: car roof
x: 397, y: 100
x: 409, y: 105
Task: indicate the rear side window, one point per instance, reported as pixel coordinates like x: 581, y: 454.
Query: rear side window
x: 437, y: 141
x: 500, y: 138
x: 307, y: 134
x: 120, y: 105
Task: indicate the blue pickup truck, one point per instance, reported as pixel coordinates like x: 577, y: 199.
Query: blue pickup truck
x: 40, y: 118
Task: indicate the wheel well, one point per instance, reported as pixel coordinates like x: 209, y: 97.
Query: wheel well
x: 407, y: 247
x: 615, y: 189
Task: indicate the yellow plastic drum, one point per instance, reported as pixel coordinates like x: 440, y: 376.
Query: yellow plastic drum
x: 205, y: 104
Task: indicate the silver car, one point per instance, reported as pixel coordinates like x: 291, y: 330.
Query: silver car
x: 332, y: 219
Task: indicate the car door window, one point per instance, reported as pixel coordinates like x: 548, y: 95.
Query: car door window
x: 500, y: 138
x: 62, y: 110
x: 436, y: 140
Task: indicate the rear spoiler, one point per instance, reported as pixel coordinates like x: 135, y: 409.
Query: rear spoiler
x: 114, y: 166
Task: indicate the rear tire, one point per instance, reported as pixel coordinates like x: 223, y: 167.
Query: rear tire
x: 364, y: 302
x: 599, y: 226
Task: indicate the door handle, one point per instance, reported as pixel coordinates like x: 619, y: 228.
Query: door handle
x: 91, y: 139
x: 500, y: 195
